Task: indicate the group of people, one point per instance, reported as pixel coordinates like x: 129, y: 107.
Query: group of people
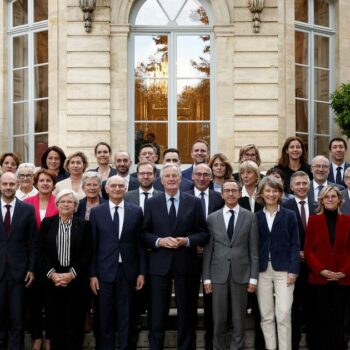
x: 72, y: 238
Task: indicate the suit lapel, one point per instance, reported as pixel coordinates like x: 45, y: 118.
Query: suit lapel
x: 238, y: 225
x: 16, y: 216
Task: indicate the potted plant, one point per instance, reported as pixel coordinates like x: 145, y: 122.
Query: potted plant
x: 340, y: 103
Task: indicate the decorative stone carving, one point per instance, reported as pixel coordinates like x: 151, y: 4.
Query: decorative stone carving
x: 256, y: 7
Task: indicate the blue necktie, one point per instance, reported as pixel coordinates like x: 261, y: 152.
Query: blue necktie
x: 116, y: 221
x: 230, y: 226
x: 172, y: 213
x: 338, y: 179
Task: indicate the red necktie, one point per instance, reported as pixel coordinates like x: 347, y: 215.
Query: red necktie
x: 7, y: 220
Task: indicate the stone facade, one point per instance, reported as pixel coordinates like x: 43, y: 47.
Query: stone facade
x: 254, y: 84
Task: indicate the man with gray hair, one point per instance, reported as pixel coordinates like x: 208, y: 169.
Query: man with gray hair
x: 174, y: 225
x: 320, y: 170
x: 25, y: 176
x: 119, y: 265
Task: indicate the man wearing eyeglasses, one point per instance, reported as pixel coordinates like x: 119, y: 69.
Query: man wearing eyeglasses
x: 230, y: 265
x: 320, y: 170
x: 25, y: 175
x: 211, y: 201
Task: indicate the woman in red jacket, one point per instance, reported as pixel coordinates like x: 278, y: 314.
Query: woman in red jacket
x: 327, y: 253
x: 44, y: 204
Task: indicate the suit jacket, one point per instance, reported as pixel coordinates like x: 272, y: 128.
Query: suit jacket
x: 51, y: 209
x: 238, y: 255
x: 320, y: 254
x: 292, y: 205
x: 332, y: 176
x: 311, y: 196
x: 134, y: 196
x: 17, y: 250
x: 244, y: 203
x: 82, y: 207
x: 190, y: 222
x: 187, y: 173
x: 112, y: 171
x: 215, y: 201
x: 345, y: 208
x: 81, y: 247
x: 185, y: 184
x: 107, y: 246
x: 282, y: 243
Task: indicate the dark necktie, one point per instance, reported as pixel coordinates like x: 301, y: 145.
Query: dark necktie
x: 116, y: 221
x: 203, y: 204
x: 338, y: 179
x: 7, y: 220
x: 230, y: 226
x: 146, y: 195
x: 303, y: 214
x: 172, y: 213
x: 320, y: 188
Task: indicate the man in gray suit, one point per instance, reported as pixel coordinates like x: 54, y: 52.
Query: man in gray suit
x: 146, y: 173
x: 230, y: 264
x: 345, y: 209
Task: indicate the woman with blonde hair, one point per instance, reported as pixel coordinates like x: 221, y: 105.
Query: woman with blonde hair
x: 278, y: 264
x: 327, y: 254
x: 76, y: 164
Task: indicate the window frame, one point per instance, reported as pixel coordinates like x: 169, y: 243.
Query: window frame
x: 313, y: 30
x: 172, y: 32
x: 29, y: 30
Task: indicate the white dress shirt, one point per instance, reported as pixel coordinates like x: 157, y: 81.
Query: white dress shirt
x: 4, y: 209
x: 142, y: 196
x: 197, y: 193
x: 251, y: 198
x: 315, y: 184
x: 306, y: 206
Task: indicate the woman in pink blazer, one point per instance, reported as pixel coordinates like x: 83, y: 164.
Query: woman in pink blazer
x: 327, y: 254
x: 44, y: 204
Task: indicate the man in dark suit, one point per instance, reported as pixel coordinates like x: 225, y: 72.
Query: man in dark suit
x: 119, y: 262
x: 303, y: 208
x: 320, y: 171
x: 122, y: 163
x: 146, y: 173
x: 345, y: 209
x: 17, y: 232
x: 148, y: 153
x: 199, y: 154
x: 174, y: 225
x: 231, y: 265
x: 337, y: 151
x: 171, y: 155
x: 211, y: 201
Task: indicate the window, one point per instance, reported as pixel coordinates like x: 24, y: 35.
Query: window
x: 28, y: 78
x: 170, y: 74
x: 314, y: 73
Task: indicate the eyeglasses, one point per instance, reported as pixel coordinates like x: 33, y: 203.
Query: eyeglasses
x: 319, y: 166
x: 229, y: 190
x: 22, y: 176
x: 205, y: 175
x: 250, y: 155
